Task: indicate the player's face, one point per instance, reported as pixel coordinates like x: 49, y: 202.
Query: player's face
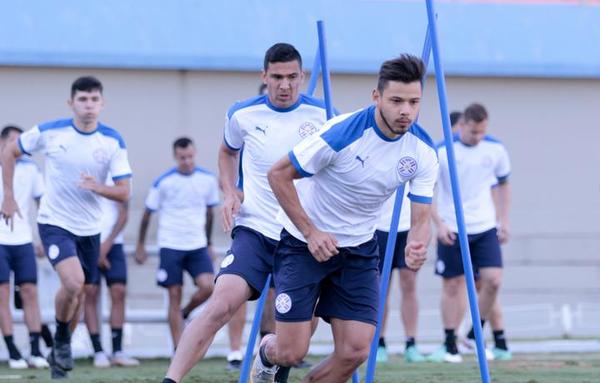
x: 12, y: 137
x: 87, y: 106
x: 283, y: 81
x: 471, y: 132
x: 185, y: 158
x: 397, y: 106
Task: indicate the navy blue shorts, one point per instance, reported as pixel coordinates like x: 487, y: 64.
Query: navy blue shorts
x: 250, y: 257
x: 346, y: 286
x: 61, y: 244
x: 398, y: 261
x: 21, y: 260
x: 118, y: 266
x: 173, y: 262
x: 485, y: 252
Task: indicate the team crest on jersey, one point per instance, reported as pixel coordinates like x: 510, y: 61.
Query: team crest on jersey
x: 407, y: 166
x: 307, y: 129
x: 101, y: 156
x: 486, y: 162
x: 283, y: 303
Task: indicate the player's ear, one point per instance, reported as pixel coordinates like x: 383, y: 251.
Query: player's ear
x: 376, y: 95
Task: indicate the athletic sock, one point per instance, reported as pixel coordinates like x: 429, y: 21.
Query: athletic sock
x: 63, y: 334
x: 410, y: 342
x: 450, y: 341
x: 47, y: 336
x: 471, y: 334
x: 13, y: 351
x: 34, y: 343
x: 500, y: 340
x: 282, y: 374
x: 117, y: 339
x: 264, y: 333
x: 184, y: 314
x: 263, y: 357
x: 382, y: 342
x: 96, y: 342
x: 167, y: 380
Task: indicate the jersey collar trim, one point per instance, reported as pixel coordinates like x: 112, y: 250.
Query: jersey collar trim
x: 283, y: 110
x: 377, y: 129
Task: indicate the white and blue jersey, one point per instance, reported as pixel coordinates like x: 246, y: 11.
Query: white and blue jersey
x: 28, y: 185
x: 476, y: 165
x: 265, y: 133
x: 385, y: 219
x: 353, y: 168
x: 69, y: 154
x: 182, y: 200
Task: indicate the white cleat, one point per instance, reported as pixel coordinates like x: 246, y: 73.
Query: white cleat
x: 121, y: 359
x: 38, y: 362
x: 260, y: 373
x: 489, y: 355
x: 452, y: 358
x: 17, y: 364
x: 101, y: 360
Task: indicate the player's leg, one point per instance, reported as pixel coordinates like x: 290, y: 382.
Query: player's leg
x: 90, y: 314
x: 174, y: 312
x: 15, y: 358
x: 409, y: 309
x: 235, y: 329
x: 382, y: 237
x: 170, y: 276
x: 199, y: 265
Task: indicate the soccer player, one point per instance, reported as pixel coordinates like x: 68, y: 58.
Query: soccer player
x: 185, y: 197
x: 17, y: 254
x: 328, y: 251
x: 266, y: 127
x: 80, y: 152
x: 480, y: 158
x: 112, y: 264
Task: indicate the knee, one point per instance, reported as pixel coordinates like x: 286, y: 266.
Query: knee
x: 117, y: 293
x: 354, y: 356
x: 453, y: 286
x: 207, y: 286
x: 492, y: 284
x: 290, y: 357
x: 28, y: 292
x: 408, y: 285
x: 219, y: 312
x: 73, y: 285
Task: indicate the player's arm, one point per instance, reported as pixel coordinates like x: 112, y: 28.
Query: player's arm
x: 419, y: 235
x: 281, y: 178
x: 119, y: 192
x: 140, y: 251
x: 444, y: 234
x: 232, y: 196
x: 9, y: 205
x: 501, y: 194
x: 110, y: 240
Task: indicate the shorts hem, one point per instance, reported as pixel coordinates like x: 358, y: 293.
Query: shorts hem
x: 20, y: 282
x: 328, y: 318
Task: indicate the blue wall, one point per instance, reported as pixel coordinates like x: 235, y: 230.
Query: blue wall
x: 477, y: 39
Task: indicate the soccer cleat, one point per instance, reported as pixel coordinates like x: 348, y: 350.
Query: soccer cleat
x: 442, y: 355
x: 101, y: 360
x: 37, y: 362
x: 412, y: 355
x: 17, y: 364
x: 121, y: 359
x: 61, y: 355
x: 260, y: 373
x: 489, y: 355
x: 382, y: 355
x: 234, y: 360
x: 500, y: 354
x: 56, y: 372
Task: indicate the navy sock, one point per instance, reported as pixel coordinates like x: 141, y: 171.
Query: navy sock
x: 500, y: 340
x: 117, y: 339
x: 471, y: 334
x: 63, y: 334
x: 167, y: 380
x: 13, y: 351
x: 47, y: 336
x: 95, y: 338
x: 450, y: 341
x: 382, y: 342
x: 263, y: 357
x: 410, y: 342
x: 282, y: 374
x: 34, y: 343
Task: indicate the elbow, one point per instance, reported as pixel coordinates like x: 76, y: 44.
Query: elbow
x: 272, y: 177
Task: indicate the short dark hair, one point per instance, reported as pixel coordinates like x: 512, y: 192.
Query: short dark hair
x: 282, y: 53
x: 86, y: 84
x: 261, y: 89
x: 406, y: 68
x: 9, y: 128
x: 182, y: 142
x: 454, y: 117
x: 475, y: 112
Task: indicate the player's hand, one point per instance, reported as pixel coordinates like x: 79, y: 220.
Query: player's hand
x: 140, y: 255
x: 8, y: 211
x: 503, y: 233
x: 103, y: 261
x: 211, y: 253
x: 445, y: 236
x: 415, y: 254
x: 88, y: 182
x: 231, y: 208
x: 321, y: 245
x: 39, y: 250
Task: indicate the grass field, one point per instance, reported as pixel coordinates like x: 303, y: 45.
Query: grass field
x: 540, y: 368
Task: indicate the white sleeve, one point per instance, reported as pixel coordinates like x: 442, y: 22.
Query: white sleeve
x: 153, y: 199
x: 311, y: 155
x: 423, y: 183
x: 232, y: 135
x: 213, y: 197
x: 502, y: 169
x: 31, y: 141
x: 119, y: 165
x: 38, y: 185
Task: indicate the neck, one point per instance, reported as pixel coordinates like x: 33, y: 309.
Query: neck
x: 85, y: 127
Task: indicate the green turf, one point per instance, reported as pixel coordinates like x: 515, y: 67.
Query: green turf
x: 540, y: 368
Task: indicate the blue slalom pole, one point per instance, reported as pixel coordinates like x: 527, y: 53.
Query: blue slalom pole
x: 314, y: 74
x: 325, y: 68
x: 260, y: 305
x: 389, y: 251
x: 462, y: 233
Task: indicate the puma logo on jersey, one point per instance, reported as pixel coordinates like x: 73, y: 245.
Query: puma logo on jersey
x: 362, y: 162
x: 263, y: 130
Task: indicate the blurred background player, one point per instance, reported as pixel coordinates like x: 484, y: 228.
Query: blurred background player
x: 17, y: 254
x: 184, y: 196
x: 480, y: 158
x: 112, y: 264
